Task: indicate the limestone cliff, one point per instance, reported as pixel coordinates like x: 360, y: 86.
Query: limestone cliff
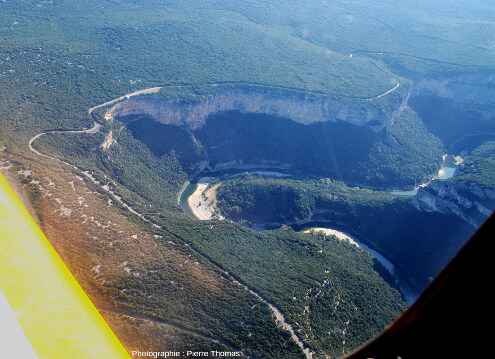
x: 302, y: 108
x: 467, y: 200
x: 475, y: 92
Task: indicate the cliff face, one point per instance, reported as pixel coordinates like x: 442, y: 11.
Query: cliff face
x: 475, y: 92
x: 304, y: 109
x: 466, y: 200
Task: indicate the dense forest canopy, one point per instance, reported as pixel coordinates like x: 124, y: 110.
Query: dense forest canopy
x: 108, y: 198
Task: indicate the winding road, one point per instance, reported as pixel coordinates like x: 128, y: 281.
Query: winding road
x: 277, y: 314
x: 279, y: 317
x: 94, y: 129
x: 385, y: 93
x: 125, y: 97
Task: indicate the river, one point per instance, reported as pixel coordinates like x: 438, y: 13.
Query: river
x: 195, y: 188
x: 409, y: 292
x: 447, y: 171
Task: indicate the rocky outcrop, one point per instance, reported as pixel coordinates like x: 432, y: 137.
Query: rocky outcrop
x: 467, y: 200
x: 475, y: 92
x: 302, y: 108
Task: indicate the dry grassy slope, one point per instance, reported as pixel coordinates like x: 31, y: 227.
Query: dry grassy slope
x: 103, y: 248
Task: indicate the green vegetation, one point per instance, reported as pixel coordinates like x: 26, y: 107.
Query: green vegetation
x: 479, y: 166
x: 460, y: 127
x: 409, y: 154
x: 317, y: 281
x: 82, y: 53
x: 123, y: 166
x: 413, y: 39
x: 150, y: 276
x: 34, y: 195
x: 99, y: 51
x: 264, y: 200
x: 161, y: 139
x: 57, y: 59
x: 160, y: 335
x: 224, y: 242
x: 386, y: 222
x: 402, y: 155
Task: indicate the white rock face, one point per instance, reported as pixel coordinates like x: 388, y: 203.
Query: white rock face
x: 475, y: 92
x: 301, y: 108
x: 466, y: 200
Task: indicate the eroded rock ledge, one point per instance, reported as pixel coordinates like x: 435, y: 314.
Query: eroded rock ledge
x: 301, y: 108
x: 474, y: 92
x: 466, y: 200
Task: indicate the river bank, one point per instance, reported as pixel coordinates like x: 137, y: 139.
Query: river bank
x: 332, y: 232
x: 186, y: 191
x: 447, y: 171
x: 198, y: 199
x: 409, y: 292
x: 203, y: 201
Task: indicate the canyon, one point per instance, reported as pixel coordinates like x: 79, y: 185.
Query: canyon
x: 302, y: 108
